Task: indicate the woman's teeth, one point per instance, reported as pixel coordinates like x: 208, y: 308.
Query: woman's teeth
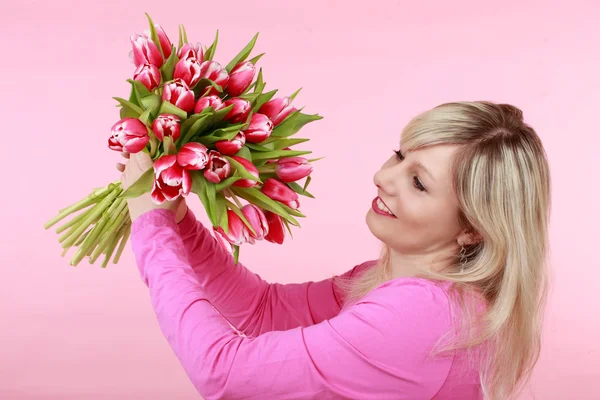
x: 382, y: 207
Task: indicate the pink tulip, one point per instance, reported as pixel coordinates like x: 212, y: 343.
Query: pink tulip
x: 292, y: 169
x: 259, y: 129
x: 220, y: 236
x: 230, y: 147
x: 166, y: 125
x: 193, y: 156
x: 215, y: 72
x: 191, y: 51
x: 257, y: 220
x: 279, y: 191
x: 277, y: 109
x: 246, y: 183
x: 179, y: 94
x: 145, y: 51
x: 218, y: 168
x: 165, y: 43
x: 208, y: 101
x: 170, y: 180
x: 276, y: 229
x: 238, y: 232
x: 148, y: 74
x: 128, y: 134
x: 188, y: 69
x: 240, y: 78
x: 239, y: 112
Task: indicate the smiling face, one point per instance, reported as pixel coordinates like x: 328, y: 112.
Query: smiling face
x: 417, y: 189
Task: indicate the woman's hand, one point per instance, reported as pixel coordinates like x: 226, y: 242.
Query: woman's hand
x: 136, y: 166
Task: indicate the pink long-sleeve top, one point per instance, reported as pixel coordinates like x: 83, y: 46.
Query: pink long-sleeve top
x: 292, y: 341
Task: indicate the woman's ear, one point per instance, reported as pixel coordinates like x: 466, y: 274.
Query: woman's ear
x: 467, y: 237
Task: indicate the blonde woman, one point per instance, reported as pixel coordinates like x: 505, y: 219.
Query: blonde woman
x: 451, y: 310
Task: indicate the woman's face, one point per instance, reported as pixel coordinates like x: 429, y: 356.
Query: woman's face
x: 417, y: 189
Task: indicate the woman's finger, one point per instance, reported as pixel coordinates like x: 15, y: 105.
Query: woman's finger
x: 121, y: 167
x: 125, y: 154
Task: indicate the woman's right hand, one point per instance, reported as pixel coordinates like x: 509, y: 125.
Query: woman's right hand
x: 181, y: 209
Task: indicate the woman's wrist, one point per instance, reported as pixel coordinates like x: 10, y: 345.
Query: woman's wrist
x: 181, y: 212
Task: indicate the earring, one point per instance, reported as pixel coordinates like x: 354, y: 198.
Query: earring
x: 463, y: 257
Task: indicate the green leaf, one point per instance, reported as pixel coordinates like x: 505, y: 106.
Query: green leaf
x: 141, y: 186
x: 233, y: 207
x: 255, y: 59
x: 169, y: 108
x: 293, y: 95
x: 294, y: 123
x: 199, y: 187
x: 293, y: 212
x: 241, y: 170
x: 287, y: 225
x: 315, y: 159
x: 308, y: 179
x: 260, y: 199
x: 169, y: 67
x: 152, y: 100
x: 211, y: 194
x: 245, y: 153
x: 146, y: 116
x: 259, y: 84
x: 278, y: 143
x: 222, y: 212
x: 298, y: 189
x: 220, y: 114
x: 228, y: 132
x: 236, y: 254
x: 133, y: 96
x: 257, y: 147
x: 242, y: 55
x: 184, y: 33
x: 262, y: 99
x: 129, y: 108
x: 154, y: 36
x: 210, y: 52
x: 198, y: 124
x: 267, y: 155
x: 180, y: 38
x: 202, y: 84
x: 226, y: 183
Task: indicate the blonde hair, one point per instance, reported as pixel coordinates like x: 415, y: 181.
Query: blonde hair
x: 501, y: 179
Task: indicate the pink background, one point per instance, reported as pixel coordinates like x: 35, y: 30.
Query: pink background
x: 368, y: 67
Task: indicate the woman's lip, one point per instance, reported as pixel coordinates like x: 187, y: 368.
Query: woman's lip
x: 378, y: 211
x: 383, y: 202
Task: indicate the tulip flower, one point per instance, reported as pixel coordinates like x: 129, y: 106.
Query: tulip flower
x: 279, y: 191
x: 277, y: 109
x: 179, y: 94
x: 259, y: 129
x: 276, y: 229
x: 220, y: 236
x: 170, y: 180
x: 218, y: 168
x: 292, y: 169
x: 240, y: 78
x: 246, y: 183
x: 193, y: 156
x: 128, y: 134
x: 238, y: 232
x: 215, y: 72
x: 230, y: 147
x: 165, y: 43
x: 145, y: 51
x: 208, y: 101
x: 257, y: 220
x: 188, y: 69
x: 188, y: 51
x: 166, y: 125
x: 239, y: 112
x: 148, y: 74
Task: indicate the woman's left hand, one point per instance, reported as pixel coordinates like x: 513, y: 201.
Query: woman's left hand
x: 137, y: 165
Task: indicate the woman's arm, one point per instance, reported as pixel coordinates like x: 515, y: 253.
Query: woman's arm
x: 248, y: 302
x: 378, y: 348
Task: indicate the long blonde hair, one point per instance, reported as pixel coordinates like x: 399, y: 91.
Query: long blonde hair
x: 501, y: 179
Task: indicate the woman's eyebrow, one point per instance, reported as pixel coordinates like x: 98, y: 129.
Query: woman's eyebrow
x: 420, y: 166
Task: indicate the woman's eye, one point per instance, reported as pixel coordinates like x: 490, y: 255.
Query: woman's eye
x: 418, y: 184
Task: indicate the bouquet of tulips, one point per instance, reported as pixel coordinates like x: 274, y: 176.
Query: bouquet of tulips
x: 210, y: 130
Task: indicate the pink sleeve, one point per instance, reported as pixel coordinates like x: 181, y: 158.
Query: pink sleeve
x: 377, y: 348
x: 249, y: 303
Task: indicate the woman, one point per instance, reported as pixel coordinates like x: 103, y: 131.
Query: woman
x: 451, y: 310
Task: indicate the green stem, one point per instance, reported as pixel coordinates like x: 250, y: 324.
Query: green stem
x: 74, y: 228
x: 234, y: 197
x: 111, y: 248
x: 108, y: 236
x: 94, y: 197
x: 123, y: 242
x: 75, y: 220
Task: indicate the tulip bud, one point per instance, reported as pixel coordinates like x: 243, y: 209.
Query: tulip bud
x: 238, y: 232
x: 170, y: 180
x: 246, y: 183
x: 148, y: 74
x: 292, y: 169
x: 240, y: 78
x: 145, y: 51
x: 257, y: 220
x: 128, y: 134
x: 165, y: 43
x: 193, y: 156
x: 277, y: 109
x: 230, y: 147
x: 191, y: 51
x: 279, y: 191
x: 218, y: 168
x: 208, y: 101
x: 259, y: 129
x: 276, y: 229
x: 215, y: 72
x: 220, y: 236
x: 239, y: 112
x: 166, y: 125
x: 179, y: 94
x: 188, y: 69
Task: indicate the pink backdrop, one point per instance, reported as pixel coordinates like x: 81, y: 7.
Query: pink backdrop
x: 89, y: 333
